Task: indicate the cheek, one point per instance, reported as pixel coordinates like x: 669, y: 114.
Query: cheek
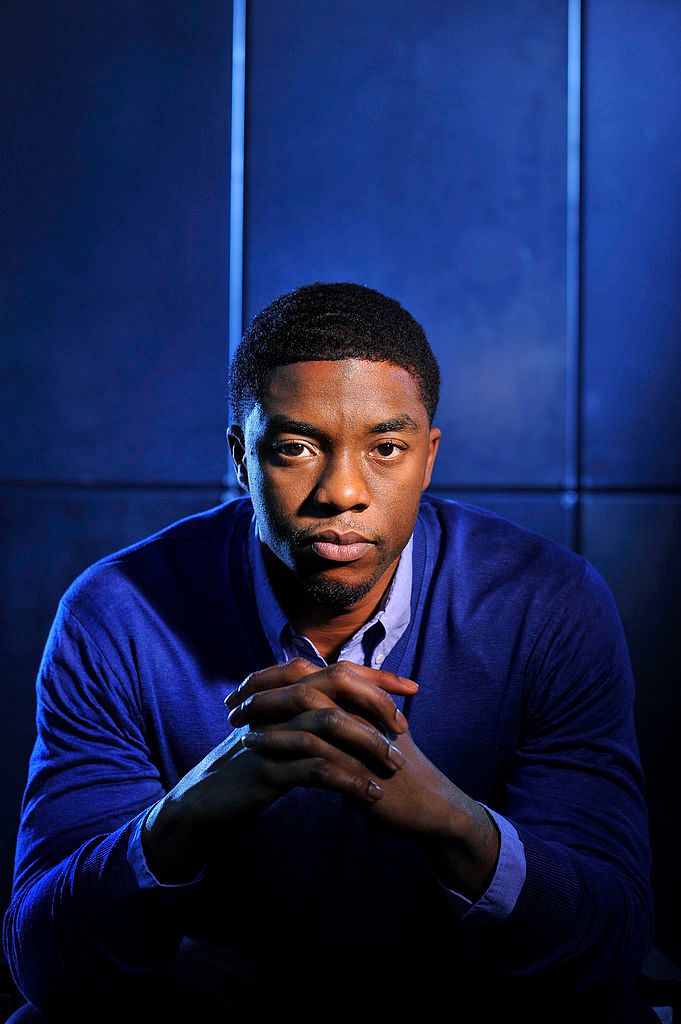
x: 399, y: 491
x: 399, y: 509
x: 275, y: 498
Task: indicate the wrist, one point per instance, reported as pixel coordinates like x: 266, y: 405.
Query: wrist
x: 171, y: 844
x: 465, y: 851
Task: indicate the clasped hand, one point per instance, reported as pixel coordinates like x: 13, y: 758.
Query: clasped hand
x: 334, y: 728
x: 338, y: 728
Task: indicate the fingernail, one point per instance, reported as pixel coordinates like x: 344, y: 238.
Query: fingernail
x: 375, y: 792
x: 400, y: 719
x: 250, y: 739
x: 234, y: 716
x: 395, y: 755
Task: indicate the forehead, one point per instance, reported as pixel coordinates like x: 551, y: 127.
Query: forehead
x: 341, y: 389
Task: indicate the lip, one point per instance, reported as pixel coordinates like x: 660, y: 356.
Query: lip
x: 333, y: 537
x: 340, y: 547
x: 345, y: 552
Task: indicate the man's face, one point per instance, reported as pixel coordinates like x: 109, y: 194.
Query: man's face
x: 336, y: 449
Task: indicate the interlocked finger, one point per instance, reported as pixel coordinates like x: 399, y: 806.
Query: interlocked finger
x: 344, y: 730
x: 299, y: 668
x: 338, y: 682
x: 313, y: 762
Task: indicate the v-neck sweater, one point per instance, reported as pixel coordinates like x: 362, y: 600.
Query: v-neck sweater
x: 525, y: 703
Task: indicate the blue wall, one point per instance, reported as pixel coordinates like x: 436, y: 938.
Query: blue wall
x: 115, y: 224
x: 420, y: 149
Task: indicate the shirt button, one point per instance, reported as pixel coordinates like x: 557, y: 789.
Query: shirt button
x: 379, y: 658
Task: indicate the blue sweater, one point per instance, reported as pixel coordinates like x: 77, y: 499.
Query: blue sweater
x: 525, y: 702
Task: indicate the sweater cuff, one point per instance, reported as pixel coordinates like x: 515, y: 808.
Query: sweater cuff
x: 144, y: 876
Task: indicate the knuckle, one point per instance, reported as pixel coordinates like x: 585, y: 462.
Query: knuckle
x: 319, y: 771
x: 331, y: 718
x: 306, y: 742
x: 297, y: 665
x: 303, y: 695
x: 385, y: 700
x: 340, y: 670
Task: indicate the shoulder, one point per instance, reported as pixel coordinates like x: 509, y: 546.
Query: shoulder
x: 499, y: 580
x: 489, y: 553
x: 185, y: 554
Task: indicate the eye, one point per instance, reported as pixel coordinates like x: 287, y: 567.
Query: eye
x: 389, y: 450
x: 292, y: 449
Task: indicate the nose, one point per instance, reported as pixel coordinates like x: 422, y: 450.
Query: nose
x: 342, y: 484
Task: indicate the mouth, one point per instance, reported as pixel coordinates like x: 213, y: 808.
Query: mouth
x: 339, y: 547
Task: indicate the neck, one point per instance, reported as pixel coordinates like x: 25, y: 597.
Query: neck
x: 328, y: 628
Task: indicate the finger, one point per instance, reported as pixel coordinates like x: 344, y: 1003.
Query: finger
x: 388, y: 681
x: 323, y: 772
x: 352, y: 733
x: 292, y: 671
x: 279, y: 705
x: 337, y: 682
x: 267, y: 678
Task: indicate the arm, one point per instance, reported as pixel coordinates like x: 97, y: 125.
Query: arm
x: 82, y: 918
x: 77, y: 911
x: 575, y: 796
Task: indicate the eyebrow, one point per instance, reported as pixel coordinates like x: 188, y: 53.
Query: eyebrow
x: 279, y: 423
x: 282, y: 424
x: 403, y: 422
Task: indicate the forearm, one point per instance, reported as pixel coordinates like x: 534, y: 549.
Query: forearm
x: 85, y: 925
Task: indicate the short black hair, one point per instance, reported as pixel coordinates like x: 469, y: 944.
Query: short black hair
x: 331, y: 321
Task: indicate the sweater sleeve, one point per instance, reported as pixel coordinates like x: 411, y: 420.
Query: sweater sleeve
x: 575, y: 797
x: 79, y: 917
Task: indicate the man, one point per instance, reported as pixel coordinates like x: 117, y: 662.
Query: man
x: 426, y: 797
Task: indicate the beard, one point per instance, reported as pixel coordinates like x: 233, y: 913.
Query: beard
x: 335, y: 594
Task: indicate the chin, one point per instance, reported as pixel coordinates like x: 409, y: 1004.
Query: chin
x: 335, y: 593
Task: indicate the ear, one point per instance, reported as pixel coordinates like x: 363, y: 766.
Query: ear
x: 237, y: 449
x: 433, y: 445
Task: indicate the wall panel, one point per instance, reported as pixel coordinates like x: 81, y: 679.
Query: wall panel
x: 632, y: 245
x: 115, y: 127
x: 420, y: 149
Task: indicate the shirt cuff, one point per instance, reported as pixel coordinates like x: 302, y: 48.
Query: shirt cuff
x: 138, y: 862
x: 502, y: 893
